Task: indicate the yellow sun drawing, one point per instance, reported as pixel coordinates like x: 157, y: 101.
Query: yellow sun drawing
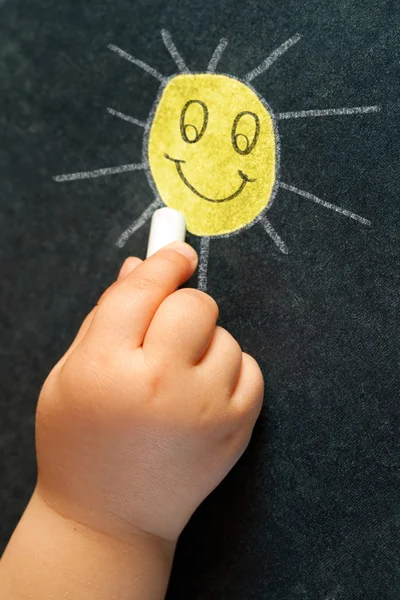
x: 223, y: 171
x: 211, y: 150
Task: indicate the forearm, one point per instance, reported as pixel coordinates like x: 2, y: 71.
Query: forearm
x: 49, y: 556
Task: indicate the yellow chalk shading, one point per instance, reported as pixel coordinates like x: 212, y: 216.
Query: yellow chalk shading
x: 212, y: 152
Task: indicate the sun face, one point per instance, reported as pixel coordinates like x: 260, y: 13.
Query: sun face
x: 211, y: 150
x: 213, y: 160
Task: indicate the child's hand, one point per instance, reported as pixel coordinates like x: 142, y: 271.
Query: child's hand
x: 149, y: 409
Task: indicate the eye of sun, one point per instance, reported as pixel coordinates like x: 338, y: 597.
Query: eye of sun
x: 193, y: 121
x: 229, y: 179
x: 245, y: 122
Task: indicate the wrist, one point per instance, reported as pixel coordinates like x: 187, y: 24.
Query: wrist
x: 51, y: 556
x: 103, y: 529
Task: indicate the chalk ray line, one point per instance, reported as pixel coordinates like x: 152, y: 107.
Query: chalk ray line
x: 272, y: 58
x: 317, y: 200
x: 100, y: 172
x: 138, y: 63
x: 275, y: 237
x: 203, y: 263
x: 138, y: 223
x: 216, y: 57
x: 121, y: 115
x: 328, y: 112
x: 177, y: 58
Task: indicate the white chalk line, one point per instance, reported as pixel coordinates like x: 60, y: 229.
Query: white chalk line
x: 272, y: 58
x: 100, y: 172
x: 169, y: 44
x: 137, y: 62
x: 328, y: 112
x: 203, y: 263
x: 317, y: 200
x: 273, y: 234
x: 137, y: 224
x: 216, y: 57
x: 121, y: 115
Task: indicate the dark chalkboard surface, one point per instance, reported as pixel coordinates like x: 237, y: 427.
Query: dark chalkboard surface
x: 312, y: 510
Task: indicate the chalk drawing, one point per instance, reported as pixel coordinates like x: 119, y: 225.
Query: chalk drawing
x: 329, y: 112
x: 272, y: 58
x: 100, y: 172
x: 211, y: 149
x: 203, y: 262
x: 273, y: 235
x: 169, y: 44
x: 338, y: 209
x: 212, y: 65
x: 137, y: 62
x: 121, y: 115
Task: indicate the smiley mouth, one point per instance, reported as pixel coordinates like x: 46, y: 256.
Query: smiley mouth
x: 244, y: 177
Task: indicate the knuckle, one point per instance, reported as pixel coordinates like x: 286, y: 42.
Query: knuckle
x: 88, y: 368
x: 253, y: 365
x: 244, y: 421
x: 146, y: 283
x: 201, y: 300
x: 257, y: 376
x: 252, y: 410
x: 243, y: 410
x: 174, y: 259
x: 107, y: 293
x: 249, y: 407
x: 207, y: 300
x: 229, y: 341
x: 167, y: 261
x: 93, y: 357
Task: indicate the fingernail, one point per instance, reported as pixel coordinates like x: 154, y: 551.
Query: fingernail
x: 184, y: 249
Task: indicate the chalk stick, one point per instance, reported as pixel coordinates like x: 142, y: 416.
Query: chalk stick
x: 167, y: 226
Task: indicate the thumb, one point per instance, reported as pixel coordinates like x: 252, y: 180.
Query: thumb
x: 127, y: 267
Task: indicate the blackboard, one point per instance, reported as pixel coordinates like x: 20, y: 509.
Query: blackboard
x: 312, y: 510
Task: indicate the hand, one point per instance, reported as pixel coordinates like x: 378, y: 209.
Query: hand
x: 149, y: 409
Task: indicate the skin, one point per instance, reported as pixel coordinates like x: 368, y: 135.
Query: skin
x: 139, y: 421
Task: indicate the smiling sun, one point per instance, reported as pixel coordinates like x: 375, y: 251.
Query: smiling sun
x: 213, y: 160
x: 211, y: 150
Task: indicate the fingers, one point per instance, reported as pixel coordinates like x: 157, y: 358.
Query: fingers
x: 127, y: 267
x: 222, y: 361
x: 126, y: 311
x: 129, y: 264
x: 182, y: 327
x: 80, y: 335
x: 247, y: 397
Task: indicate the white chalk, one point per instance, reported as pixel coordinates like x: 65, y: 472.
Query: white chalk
x: 167, y: 226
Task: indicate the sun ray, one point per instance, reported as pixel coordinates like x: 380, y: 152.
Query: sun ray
x: 329, y: 112
x: 138, y: 63
x: 275, y: 237
x: 212, y: 65
x: 203, y: 263
x: 169, y: 44
x: 121, y: 115
x: 138, y: 223
x: 100, y: 172
x: 338, y: 209
x: 272, y: 58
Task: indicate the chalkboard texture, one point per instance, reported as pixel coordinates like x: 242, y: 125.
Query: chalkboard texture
x: 312, y: 510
